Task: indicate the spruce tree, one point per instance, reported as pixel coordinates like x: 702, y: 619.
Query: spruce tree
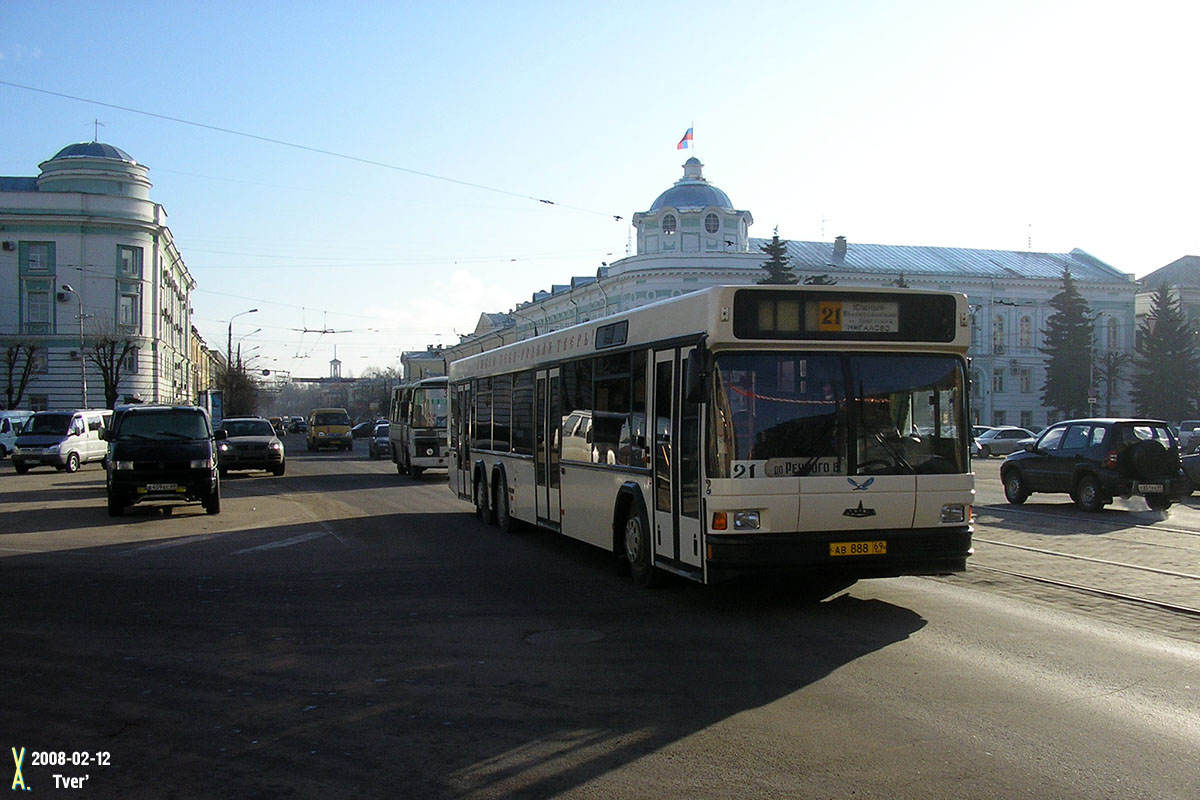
x: 1068, y: 347
x: 779, y: 270
x: 1166, y: 380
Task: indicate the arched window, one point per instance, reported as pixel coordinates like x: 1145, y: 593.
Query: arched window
x: 712, y: 223
x: 669, y: 224
x: 1025, y: 332
x: 1113, y: 331
x: 998, y: 335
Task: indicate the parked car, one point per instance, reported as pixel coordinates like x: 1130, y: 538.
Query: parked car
x: 163, y: 453
x: 379, y: 444
x: 11, y: 423
x: 1000, y: 441
x: 1189, y: 435
x: 65, y: 440
x: 1191, y: 468
x: 251, y: 443
x: 1095, y: 460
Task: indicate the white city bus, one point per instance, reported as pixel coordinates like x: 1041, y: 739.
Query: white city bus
x: 417, y: 426
x: 813, y: 431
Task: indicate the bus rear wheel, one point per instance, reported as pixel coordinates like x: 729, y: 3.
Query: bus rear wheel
x: 504, y: 517
x: 482, y: 507
x: 637, y: 550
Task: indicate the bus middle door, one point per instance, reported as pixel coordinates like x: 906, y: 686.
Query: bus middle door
x: 676, y: 464
x: 548, y: 447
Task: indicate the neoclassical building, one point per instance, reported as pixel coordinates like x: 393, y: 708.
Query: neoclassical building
x: 84, y: 239
x: 692, y: 236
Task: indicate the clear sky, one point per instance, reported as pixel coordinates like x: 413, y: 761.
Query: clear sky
x: 375, y: 168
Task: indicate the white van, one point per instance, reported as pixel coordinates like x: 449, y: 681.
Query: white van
x: 65, y: 440
x: 10, y: 423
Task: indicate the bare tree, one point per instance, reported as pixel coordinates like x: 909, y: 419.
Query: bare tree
x: 109, y: 353
x: 1110, y: 371
x: 19, y: 361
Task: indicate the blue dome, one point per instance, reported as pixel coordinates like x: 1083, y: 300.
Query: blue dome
x: 689, y: 195
x: 94, y: 150
x: 692, y: 192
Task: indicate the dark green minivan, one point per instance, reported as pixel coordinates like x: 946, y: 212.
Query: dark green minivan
x: 162, y: 454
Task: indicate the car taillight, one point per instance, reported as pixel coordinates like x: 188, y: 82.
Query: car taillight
x: 1111, y: 461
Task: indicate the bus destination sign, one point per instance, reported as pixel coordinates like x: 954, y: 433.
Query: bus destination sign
x: 837, y: 316
x: 833, y: 315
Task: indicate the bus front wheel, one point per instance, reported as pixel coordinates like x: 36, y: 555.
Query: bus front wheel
x: 637, y: 549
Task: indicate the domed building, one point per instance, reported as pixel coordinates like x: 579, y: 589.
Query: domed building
x: 692, y: 237
x: 102, y: 297
x: 693, y: 216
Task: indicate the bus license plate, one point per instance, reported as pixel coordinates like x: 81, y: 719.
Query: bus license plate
x: 1149, y: 488
x: 877, y: 548
x: 161, y: 487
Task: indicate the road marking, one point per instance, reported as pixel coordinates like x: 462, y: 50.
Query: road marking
x: 182, y: 540
x: 304, y: 537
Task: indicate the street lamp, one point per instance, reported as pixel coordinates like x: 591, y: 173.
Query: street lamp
x: 229, y: 338
x: 66, y: 287
x: 239, y: 347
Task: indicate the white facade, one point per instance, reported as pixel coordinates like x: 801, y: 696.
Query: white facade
x: 693, y: 237
x: 87, y: 222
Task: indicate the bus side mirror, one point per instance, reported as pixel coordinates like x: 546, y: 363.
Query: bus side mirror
x: 696, y: 375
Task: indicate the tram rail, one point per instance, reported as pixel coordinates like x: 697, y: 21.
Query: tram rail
x: 1147, y: 601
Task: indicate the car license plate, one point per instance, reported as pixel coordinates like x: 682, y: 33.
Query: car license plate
x: 161, y: 487
x: 1148, y: 488
x: 876, y: 548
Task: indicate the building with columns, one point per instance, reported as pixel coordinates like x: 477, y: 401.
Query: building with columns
x: 692, y: 236
x: 86, y: 257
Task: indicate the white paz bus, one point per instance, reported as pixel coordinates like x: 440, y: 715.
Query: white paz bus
x: 417, y: 426
x: 812, y: 431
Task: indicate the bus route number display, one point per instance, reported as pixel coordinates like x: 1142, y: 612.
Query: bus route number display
x: 841, y: 316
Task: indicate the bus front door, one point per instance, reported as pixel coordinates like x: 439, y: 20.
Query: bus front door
x: 676, y: 464
x: 460, y: 441
x: 548, y: 423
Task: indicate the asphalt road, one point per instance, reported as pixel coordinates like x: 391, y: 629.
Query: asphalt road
x: 344, y: 631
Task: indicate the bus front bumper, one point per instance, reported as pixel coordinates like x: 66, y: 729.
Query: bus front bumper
x: 880, y: 553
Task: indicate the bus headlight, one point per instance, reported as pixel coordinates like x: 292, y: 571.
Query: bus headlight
x: 742, y: 520
x: 954, y: 512
x: 746, y: 520
x: 200, y: 463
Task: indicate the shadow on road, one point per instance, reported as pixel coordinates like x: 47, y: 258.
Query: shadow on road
x: 425, y: 653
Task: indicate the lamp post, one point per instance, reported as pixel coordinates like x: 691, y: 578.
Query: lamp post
x: 239, y: 347
x: 66, y: 287
x: 229, y: 338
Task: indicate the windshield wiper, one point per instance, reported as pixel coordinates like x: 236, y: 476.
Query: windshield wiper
x: 808, y: 465
x: 892, y: 450
x: 174, y: 435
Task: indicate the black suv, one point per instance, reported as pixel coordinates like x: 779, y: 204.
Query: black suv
x: 160, y: 453
x: 1095, y: 460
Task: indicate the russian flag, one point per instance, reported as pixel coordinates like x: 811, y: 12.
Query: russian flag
x: 686, y: 141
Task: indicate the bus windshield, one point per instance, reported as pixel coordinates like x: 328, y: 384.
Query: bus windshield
x: 798, y: 414
x: 429, y: 407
